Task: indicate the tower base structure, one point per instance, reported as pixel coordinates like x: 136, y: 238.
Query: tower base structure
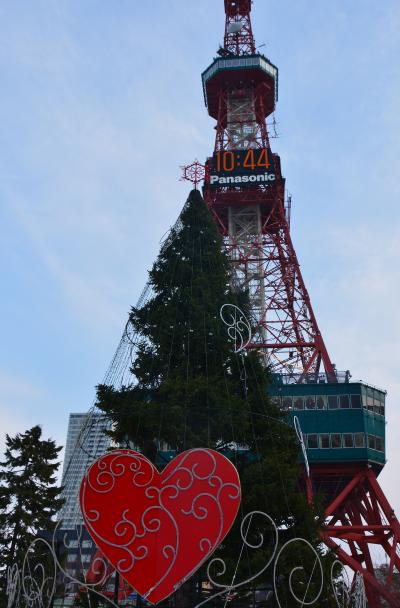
x: 342, y: 425
x: 359, y: 519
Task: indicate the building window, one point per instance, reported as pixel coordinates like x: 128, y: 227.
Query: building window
x: 298, y: 403
x: 355, y: 401
x: 344, y: 401
x: 72, y: 557
x: 85, y: 557
x: 336, y: 440
x: 332, y: 402
x: 371, y: 442
x: 287, y: 403
x: 359, y: 440
x: 379, y: 444
x: 370, y: 399
x: 321, y: 402
x: 364, y: 396
x: 324, y: 440
x: 312, y: 441
x: 347, y: 440
x: 379, y: 403
x: 310, y: 402
x: 86, y: 544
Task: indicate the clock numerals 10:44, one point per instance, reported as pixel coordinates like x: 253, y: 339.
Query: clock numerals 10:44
x: 226, y: 160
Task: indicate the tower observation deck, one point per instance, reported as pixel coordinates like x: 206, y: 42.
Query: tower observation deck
x: 342, y: 421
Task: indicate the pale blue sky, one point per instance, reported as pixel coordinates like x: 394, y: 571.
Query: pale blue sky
x: 101, y: 102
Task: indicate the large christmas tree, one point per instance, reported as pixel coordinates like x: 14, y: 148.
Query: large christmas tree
x: 192, y: 389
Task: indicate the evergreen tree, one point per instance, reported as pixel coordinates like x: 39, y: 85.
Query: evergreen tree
x: 29, y: 497
x: 192, y: 390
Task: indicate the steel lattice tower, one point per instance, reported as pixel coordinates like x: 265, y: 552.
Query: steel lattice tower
x: 241, y: 90
x: 245, y: 191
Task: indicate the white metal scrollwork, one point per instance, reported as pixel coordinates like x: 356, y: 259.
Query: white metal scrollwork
x: 300, y: 437
x: 33, y: 586
x: 12, y: 588
x: 239, y: 328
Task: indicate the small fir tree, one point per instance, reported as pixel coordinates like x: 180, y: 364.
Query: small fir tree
x: 29, y: 497
x: 192, y: 390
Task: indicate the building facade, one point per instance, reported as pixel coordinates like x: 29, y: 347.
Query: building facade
x: 86, y: 441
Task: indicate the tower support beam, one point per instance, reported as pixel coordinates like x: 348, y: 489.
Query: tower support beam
x: 361, y: 517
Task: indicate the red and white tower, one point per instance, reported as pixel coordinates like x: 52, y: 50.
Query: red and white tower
x: 245, y: 191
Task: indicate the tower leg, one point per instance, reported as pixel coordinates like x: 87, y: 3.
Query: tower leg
x: 360, y: 518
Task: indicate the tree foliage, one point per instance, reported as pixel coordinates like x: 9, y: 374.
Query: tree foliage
x: 29, y: 497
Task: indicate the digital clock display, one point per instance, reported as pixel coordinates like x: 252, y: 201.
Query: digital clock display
x: 242, y: 168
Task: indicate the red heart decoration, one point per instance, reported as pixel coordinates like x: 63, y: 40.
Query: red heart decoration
x: 156, y: 528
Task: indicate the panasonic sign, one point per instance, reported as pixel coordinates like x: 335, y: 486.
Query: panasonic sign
x: 263, y: 178
x: 244, y: 167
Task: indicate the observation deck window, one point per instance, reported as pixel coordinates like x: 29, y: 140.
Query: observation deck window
x: 310, y: 402
x: 348, y: 440
x: 287, y: 403
x: 355, y: 401
x: 324, y: 440
x: 332, y: 402
x: 298, y: 403
x: 370, y: 399
x: 336, y: 440
x: 312, y: 441
x: 373, y: 400
x: 379, y: 443
x: 379, y: 403
x: 344, y: 440
x: 359, y: 440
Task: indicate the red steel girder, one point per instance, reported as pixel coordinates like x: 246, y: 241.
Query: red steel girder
x: 288, y: 330
x: 360, y: 516
x: 238, y: 41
